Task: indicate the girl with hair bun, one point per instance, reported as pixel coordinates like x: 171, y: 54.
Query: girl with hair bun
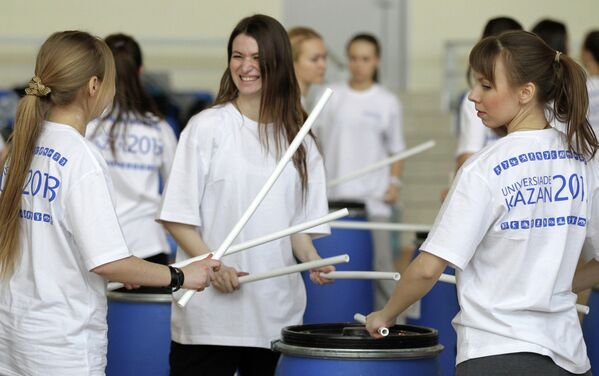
x: 59, y: 234
x: 516, y: 217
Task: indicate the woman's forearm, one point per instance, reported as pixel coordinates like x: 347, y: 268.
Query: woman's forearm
x: 416, y: 281
x: 586, y: 277
x: 187, y: 237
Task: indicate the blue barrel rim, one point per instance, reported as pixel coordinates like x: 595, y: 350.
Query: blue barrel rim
x: 326, y: 353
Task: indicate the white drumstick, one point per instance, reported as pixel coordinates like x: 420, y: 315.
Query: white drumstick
x: 114, y: 286
x: 270, y: 237
x: 451, y: 279
x: 361, y: 275
x: 380, y: 164
x: 255, y: 242
x: 362, y: 320
x: 295, y: 144
x: 294, y: 268
x: 381, y: 226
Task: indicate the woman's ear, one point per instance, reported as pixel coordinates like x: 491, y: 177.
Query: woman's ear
x: 527, y: 93
x: 93, y: 86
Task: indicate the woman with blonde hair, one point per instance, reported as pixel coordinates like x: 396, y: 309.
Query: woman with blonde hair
x: 59, y: 234
x: 309, y: 57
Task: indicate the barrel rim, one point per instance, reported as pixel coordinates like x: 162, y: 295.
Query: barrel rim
x: 329, y: 335
x: 139, y: 298
x: 328, y: 353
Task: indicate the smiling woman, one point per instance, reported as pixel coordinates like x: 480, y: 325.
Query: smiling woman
x: 224, y: 156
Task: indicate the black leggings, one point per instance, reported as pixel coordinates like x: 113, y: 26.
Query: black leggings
x: 515, y: 364
x: 210, y: 360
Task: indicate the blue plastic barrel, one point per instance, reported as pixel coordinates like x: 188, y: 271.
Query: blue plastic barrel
x: 437, y: 309
x: 348, y: 350
x: 139, y: 333
x: 590, y: 329
x: 339, y: 301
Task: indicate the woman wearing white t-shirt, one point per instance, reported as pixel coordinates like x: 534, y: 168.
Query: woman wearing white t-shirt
x: 590, y: 60
x: 224, y: 156
x: 138, y: 147
x: 516, y: 217
x: 361, y: 125
x: 60, y: 237
x: 309, y: 57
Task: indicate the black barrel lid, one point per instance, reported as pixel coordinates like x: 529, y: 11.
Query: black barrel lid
x: 355, y: 336
x: 355, y: 208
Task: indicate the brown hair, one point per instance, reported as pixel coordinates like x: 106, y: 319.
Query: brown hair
x: 280, y: 96
x: 369, y: 38
x: 131, y: 98
x: 560, y: 82
x: 65, y: 64
x: 297, y: 36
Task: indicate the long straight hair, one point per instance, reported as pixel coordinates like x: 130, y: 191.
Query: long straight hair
x: 131, y: 99
x: 65, y: 64
x: 280, y: 97
x: 559, y: 80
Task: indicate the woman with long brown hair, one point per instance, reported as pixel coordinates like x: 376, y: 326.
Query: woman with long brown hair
x: 516, y: 217
x: 224, y: 156
x: 139, y: 147
x: 59, y: 234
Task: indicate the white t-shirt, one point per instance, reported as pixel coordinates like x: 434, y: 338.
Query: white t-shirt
x: 513, y: 225
x: 53, y: 309
x: 474, y: 135
x: 142, y: 156
x: 218, y: 169
x: 593, y: 90
x: 357, y: 129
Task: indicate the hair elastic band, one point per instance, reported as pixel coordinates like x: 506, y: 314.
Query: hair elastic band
x: 556, y: 59
x: 37, y: 88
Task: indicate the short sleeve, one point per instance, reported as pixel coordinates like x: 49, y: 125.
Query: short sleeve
x: 187, y: 179
x: 315, y: 204
x: 169, y: 142
x: 472, y: 130
x: 463, y: 221
x: 394, y: 139
x: 93, y: 221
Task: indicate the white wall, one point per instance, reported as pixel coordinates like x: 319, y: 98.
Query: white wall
x: 432, y: 23
x: 185, y: 37
x: 338, y: 20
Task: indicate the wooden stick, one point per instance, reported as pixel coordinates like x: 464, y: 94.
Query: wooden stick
x: 362, y: 275
x: 270, y: 237
x: 362, y: 320
x: 295, y: 268
x: 295, y: 144
x: 382, y: 163
x: 381, y: 226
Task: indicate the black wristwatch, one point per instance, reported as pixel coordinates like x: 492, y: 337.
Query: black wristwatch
x: 177, y: 278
